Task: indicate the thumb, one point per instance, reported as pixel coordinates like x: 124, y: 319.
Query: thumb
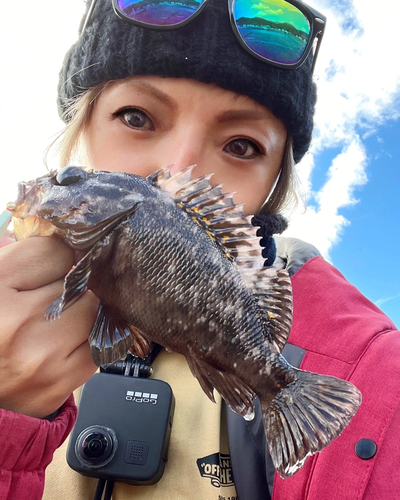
x: 7, y: 239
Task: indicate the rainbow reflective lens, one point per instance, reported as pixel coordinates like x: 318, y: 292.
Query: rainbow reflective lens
x: 276, y: 31
x: 159, y: 13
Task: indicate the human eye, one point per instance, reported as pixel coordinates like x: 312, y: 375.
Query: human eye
x: 135, y: 118
x: 243, y: 148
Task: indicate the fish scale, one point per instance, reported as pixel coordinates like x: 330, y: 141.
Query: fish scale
x: 175, y: 292
x: 174, y: 261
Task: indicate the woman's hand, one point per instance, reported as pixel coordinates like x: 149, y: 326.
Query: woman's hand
x: 41, y: 362
x: 7, y: 239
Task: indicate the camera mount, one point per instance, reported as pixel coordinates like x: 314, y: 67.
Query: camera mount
x: 132, y: 366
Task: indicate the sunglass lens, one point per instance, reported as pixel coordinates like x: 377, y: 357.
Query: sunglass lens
x: 159, y: 12
x: 273, y: 29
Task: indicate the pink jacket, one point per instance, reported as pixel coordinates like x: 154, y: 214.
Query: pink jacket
x: 344, y: 335
x: 347, y: 336
x: 26, y: 448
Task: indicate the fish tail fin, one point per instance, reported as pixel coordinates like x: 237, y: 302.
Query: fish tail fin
x: 305, y: 417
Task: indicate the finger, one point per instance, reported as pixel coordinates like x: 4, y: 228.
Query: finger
x: 60, y: 336
x: 77, y: 369
x: 27, y: 307
x: 76, y: 321
x: 47, y: 390
x: 34, y: 262
x: 80, y: 363
x: 6, y: 239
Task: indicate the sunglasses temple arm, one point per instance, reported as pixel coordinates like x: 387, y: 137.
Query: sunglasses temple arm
x: 319, y: 40
x: 88, y: 17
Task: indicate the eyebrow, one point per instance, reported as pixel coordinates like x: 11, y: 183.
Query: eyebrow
x: 224, y: 117
x: 150, y: 90
x: 242, y: 114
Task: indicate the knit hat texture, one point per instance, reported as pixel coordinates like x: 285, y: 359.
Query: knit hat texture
x: 205, y: 49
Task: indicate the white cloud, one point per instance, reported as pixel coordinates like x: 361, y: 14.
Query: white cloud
x: 379, y: 302
x: 358, y: 89
x: 322, y: 223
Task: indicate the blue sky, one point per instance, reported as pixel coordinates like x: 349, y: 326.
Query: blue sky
x: 367, y: 252
x: 351, y: 176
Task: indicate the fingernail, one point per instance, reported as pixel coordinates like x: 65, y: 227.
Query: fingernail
x: 5, y: 218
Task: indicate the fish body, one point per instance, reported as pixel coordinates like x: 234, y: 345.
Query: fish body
x: 186, y: 302
x: 176, y: 262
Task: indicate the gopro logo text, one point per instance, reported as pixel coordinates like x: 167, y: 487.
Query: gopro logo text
x: 141, y: 397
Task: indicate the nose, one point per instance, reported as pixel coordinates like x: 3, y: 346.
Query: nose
x: 188, y: 147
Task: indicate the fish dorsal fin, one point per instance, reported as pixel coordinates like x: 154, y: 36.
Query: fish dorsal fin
x: 227, y: 225
x: 273, y: 291
x: 168, y: 182
x: 215, y: 211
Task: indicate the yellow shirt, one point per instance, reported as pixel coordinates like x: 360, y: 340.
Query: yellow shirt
x: 198, y: 467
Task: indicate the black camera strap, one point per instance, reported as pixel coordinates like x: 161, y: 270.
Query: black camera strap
x: 130, y: 366
x: 101, y: 484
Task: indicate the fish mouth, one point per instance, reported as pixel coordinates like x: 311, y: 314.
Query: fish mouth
x: 24, y: 211
x: 28, y: 199
x: 76, y: 213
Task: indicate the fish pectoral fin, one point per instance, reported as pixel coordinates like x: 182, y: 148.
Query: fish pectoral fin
x: 237, y: 395
x: 111, y: 338
x: 272, y: 289
x: 75, y: 283
x: 305, y: 417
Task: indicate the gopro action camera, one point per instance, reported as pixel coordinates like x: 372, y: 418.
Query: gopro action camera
x: 123, y: 429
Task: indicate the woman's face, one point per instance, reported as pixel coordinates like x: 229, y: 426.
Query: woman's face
x: 142, y: 124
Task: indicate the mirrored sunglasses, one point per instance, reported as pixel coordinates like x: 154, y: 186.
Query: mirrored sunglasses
x: 279, y: 32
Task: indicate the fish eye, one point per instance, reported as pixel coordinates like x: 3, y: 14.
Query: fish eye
x: 70, y: 175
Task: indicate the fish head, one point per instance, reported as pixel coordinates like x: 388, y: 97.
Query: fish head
x: 76, y: 198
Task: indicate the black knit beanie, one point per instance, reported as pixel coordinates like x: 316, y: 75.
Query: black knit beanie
x: 206, y: 50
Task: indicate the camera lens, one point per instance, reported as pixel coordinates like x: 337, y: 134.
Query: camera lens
x: 96, y: 446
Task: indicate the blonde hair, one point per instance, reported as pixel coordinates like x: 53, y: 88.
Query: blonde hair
x: 77, y: 116
x: 283, y: 198
x: 285, y: 195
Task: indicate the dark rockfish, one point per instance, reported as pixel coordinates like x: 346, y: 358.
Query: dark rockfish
x: 176, y: 262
